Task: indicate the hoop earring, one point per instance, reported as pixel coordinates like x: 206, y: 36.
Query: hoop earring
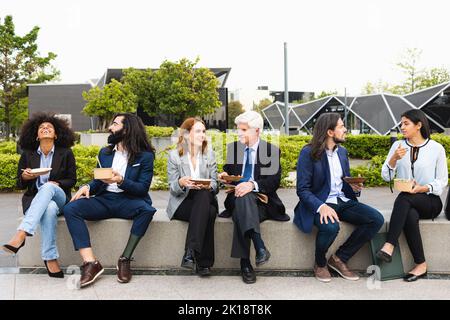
x: 37, y: 138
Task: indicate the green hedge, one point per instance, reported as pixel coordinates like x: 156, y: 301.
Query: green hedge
x: 154, y: 131
x: 8, y: 147
x: 8, y: 171
x: 370, y: 147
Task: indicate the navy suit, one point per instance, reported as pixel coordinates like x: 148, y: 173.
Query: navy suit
x: 132, y: 204
x: 313, y: 185
x: 313, y: 189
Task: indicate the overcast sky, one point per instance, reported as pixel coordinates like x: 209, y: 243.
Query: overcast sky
x: 332, y: 44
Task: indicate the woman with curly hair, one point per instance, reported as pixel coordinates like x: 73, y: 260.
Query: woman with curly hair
x: 45, y: 140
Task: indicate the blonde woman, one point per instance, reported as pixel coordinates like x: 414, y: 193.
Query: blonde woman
x: 191, y: 201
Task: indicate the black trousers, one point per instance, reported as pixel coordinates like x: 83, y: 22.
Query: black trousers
x: 248, y: 213
x: 408, y: 209
x: 199, y: 208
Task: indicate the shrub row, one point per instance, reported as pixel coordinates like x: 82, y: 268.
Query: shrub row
x: 370, y: 147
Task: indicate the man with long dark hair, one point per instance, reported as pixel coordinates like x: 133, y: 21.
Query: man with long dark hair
x: 124, y: 195
x: 326, y: 198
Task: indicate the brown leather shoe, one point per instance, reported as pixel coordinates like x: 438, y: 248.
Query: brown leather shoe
x: 123, y: 270
x: 322, y: 274
x: 90, y: 271
x: 341, y: 268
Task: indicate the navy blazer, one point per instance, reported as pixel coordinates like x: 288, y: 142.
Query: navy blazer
x: 137, y: 179
x: 314, y: 185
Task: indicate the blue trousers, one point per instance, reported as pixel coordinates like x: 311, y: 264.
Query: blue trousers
x: 105, y: 206
x: 366, y: 219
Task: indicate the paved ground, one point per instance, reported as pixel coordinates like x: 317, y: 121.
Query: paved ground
x: 40, y: 286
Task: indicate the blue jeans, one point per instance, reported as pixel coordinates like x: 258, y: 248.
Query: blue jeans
x: 367, y: 220
x: 43, y: 211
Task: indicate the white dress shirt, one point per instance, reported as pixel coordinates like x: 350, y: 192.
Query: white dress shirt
x: 119, y: 164
x: 430, y: 168
x: 336, y: 175
x: 253, y: 150
x: 195, y: 172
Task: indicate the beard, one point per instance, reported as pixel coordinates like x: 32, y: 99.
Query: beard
x: 338, y: 140
x: 115, y: 138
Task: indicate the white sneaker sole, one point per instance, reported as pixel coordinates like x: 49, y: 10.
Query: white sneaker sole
x: 345, y: 277
x: 95, y: 278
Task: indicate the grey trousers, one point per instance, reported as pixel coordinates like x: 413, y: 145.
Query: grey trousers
x: 247, y: 215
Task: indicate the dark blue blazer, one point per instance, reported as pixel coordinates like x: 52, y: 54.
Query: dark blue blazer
x: 137, y: 179
x: 314, y: 185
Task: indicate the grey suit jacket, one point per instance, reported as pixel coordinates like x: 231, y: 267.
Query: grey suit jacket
x: 178, y: 167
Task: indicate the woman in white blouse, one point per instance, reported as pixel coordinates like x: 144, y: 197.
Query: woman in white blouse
x: 422, y: 160
x: 191, y: 201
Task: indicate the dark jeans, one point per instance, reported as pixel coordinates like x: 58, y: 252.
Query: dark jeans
x: 366, y: 219
x: 105, y: 206
x: 408, y: 209
x: 200, y: 210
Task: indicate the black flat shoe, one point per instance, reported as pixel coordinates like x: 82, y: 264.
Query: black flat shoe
x: 58, y: 274
x: 412, y: 277
x: 10, y: 249
x: 383, y: 256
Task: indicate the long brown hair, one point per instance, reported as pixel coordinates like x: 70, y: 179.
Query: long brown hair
x: 326, y: 121
x: 186, y: 126
x: 135, y: 140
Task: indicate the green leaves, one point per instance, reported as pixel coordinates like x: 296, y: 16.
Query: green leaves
x: 113, y: 98
x: 180, y: 89
x: 20, y: 64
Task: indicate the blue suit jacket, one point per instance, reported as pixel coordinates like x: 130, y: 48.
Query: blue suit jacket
x: 137, y: 179
x: 313, y: 185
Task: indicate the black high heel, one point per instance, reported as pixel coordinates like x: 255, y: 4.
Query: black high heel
x: 58, y: 274
x: 10, y: 249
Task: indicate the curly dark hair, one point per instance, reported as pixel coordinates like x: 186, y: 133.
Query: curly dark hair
x: 29, y: 131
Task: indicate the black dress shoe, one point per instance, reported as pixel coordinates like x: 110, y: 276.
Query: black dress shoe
x: 10, y: 249
x: 188, y: 260
x: 262, y: 256
x: 383, y: 256
x: 203, y: 271
x: 248, y: 275
x: 411, y: 277
x: 58, y: 274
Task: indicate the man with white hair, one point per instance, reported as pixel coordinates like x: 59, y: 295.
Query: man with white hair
x: 258, y: 162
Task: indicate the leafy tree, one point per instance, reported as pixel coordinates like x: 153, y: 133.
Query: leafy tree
x: 113, y: 98
x: 408, y: 65
x: 20, y: 64
x: 262, y: 104
x: 433, y: 77
x: 416, y: 78
x: 324, y: 94
x: 180, y: 89
x: 139, y: 82
x: 235, y: 108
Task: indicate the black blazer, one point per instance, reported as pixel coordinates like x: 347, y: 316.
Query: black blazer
x: 267, y: 174
x: 63, y: 171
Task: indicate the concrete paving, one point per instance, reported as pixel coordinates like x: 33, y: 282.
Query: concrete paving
x: 155, y: 287
x: 20, y: 286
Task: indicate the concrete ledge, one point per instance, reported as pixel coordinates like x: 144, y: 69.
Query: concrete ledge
x: 163, y: 245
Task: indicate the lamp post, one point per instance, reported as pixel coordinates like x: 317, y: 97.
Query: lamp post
x: 286, y: 93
